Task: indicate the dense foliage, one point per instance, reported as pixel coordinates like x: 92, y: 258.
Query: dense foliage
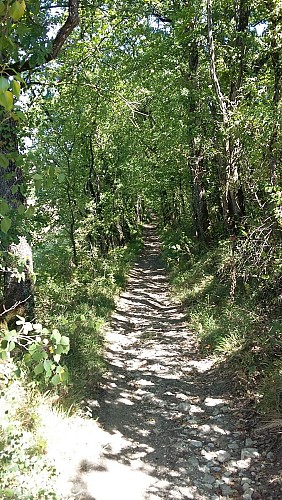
x: 164, y: 107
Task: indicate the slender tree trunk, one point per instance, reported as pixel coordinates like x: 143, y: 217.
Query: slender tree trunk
x: 199, y: 198
x: 232, y: 195
x: 200, y: 207
x: 274, y: 150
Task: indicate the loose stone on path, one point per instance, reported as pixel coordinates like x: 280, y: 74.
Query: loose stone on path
x: 165, y: 414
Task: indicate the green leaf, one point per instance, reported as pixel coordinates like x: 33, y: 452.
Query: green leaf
x: 37, y: 177
x: 64, y: 375
x: 65, y: 341
x: 2, y: 9
x: 6, y: 100
x: 4, y: 84
x: 38, y: 355
x: 61, y: 178
x: 18, y: 77
x: 9, y: 335
x: 29, y: 212
x: 55, y: 380
x: 21, y: 209
x: 17, y: 10
x: 5, y: 224
x: 4, y: 207
x: 4, y: 161
x: 57, y: 358
x: 19, y: 115
x: 27, y: 358
x: 38, y: 369
x: 4, y: 344
x: 56, y: 336
x: 60, y: 349
x: 47, y: 365
x: 9, y: 493
x: 11, y: 346
x: 16, y: 88
x: 18, y: 372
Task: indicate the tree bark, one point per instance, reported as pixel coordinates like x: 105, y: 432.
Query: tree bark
x: 232, y: 195
x: 18, y: 292
x: 18, y: 287
x: 200, y: 207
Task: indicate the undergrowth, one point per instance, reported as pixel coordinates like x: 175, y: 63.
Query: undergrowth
x: 24, y: 471
x: 232, y: 317
x: 78, y: 301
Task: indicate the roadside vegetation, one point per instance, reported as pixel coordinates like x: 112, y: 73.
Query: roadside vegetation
x: 236, y: 317
x: 109, y: 111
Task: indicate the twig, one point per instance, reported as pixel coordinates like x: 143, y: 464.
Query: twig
x: 5, y: 311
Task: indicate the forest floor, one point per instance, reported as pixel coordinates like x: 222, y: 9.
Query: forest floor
x: 164, y: 422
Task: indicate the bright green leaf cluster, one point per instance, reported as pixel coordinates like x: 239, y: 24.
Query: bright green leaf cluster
x: 43, y: 350
x: 8, y: 90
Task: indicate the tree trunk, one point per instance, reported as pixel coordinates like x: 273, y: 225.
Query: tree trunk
x: 200, y: 207
x: 232, y: 195
x: 18, y: 267
x: 199, y: 199
x: 18, y: 295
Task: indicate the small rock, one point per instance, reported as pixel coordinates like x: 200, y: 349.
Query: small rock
x: 243, y: 464
x: 218, y: 416
x: 180, y: 395
x: 194, y: 442
x: 248, y: 495
x: 248, y: 442
x: 233, y: 446
x: 225, y: 409
x: 270, y: 455
x: 185, y: 406
x: 213, y: 402
x: 226, y: 490
x: 204, y: 468
x: 222, y: 456
x: 208, y: 486
x: 193, y: 462
x: 205, y: 428
x: 186, y: 492
x: 246, y: 487
x: 246, y: 479
x: 249, y: 453
x: 210, y: 445
x: 215, y: 468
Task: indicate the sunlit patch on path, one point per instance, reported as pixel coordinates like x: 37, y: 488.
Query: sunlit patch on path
x: 167, y: 427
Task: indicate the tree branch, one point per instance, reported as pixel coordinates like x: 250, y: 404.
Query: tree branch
x: 57, y: 43
x: 213, y: 70
x: 14, y: 306
x: 65, y: 31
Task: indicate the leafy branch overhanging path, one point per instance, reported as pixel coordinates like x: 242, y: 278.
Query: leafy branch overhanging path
x: 167, y: 423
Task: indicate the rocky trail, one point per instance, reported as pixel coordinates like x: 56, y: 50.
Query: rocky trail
x: 167, y: 425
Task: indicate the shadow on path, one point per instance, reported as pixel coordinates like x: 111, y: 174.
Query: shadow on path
x: 170, y: 430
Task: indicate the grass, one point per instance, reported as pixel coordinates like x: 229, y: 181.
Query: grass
x: 24, y: 470
x: 78, y: 300
x: 229, y: 317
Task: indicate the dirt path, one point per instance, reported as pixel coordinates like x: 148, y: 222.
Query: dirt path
x: 167, y: 427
